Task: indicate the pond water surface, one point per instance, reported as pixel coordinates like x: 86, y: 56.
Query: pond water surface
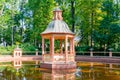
x: 84, y: 71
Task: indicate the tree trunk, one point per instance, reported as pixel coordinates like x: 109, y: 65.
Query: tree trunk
x: 73, y: 13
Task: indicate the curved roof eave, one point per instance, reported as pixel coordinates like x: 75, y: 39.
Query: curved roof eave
x: 57, y: 26
x: 57, y: 33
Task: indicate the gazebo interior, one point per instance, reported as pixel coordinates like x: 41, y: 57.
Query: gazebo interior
x: 60, y: 48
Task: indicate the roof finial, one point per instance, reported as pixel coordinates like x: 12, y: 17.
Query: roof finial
x: 57, y: 13
x: 57, y: 8
x: 57, y: 4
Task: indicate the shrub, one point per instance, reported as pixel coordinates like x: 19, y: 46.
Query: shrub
x: 27, y: 47
x: 9, y: 49
x: 6, y: 50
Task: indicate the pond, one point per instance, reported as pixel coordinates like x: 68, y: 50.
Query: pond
x: 84, y: 71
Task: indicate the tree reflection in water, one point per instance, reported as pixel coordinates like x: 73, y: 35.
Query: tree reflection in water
x: 84, y: 71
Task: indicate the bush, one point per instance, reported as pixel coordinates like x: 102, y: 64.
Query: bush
x: 27, y: 47
x: 9, y: 49
x: 6, y: 50
x: 79, y: 48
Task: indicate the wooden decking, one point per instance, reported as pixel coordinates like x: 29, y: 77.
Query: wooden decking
x: 8, y: 58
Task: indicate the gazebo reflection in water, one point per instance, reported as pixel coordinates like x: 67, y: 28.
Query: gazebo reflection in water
x: 50, y: 74
x: 58, y: 75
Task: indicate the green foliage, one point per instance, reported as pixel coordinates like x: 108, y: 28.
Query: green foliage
x: 27, y: 47
x: 97, y: 22
x: 9, y: 18
x: 109, y: 30
x: 6, y: 50
x: 42, y: 15
x: 9, y: 49
x: 83, y: 48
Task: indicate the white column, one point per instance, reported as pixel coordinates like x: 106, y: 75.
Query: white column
x: 42, y: 49
x: 36, y: 53
x: 91, y: 53
x: 73, y: 48
x: 66, y: 49
x: 110, y: 54
x: 71, y: 45
x: 52, y: 48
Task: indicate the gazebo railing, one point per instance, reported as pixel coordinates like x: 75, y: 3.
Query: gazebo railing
x: 71, y: 57
x: 58, y: 57
x: 47, y: 58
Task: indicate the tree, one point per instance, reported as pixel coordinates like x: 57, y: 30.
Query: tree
x: 88, y: 17
x: 109, y: 30
x: 42, y: 15
x: 10, y: 21
x: 68, y: 8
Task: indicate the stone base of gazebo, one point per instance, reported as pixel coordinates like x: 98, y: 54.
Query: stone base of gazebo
x: 58, y: 65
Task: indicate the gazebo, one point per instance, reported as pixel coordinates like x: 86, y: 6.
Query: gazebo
x: 58, y: 32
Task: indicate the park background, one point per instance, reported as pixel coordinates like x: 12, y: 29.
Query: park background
x: 96, y: 24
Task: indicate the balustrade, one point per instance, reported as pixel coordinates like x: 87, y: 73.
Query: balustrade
x: 58, y: 57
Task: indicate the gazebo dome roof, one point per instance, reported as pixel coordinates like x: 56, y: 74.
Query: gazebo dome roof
x: 57, y: 26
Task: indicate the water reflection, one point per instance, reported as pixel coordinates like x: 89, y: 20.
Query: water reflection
x: 58, y: 75
x: 17, y: 64
x: 99, y: 71
x: 78, y: 72
x: 18, y: 70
